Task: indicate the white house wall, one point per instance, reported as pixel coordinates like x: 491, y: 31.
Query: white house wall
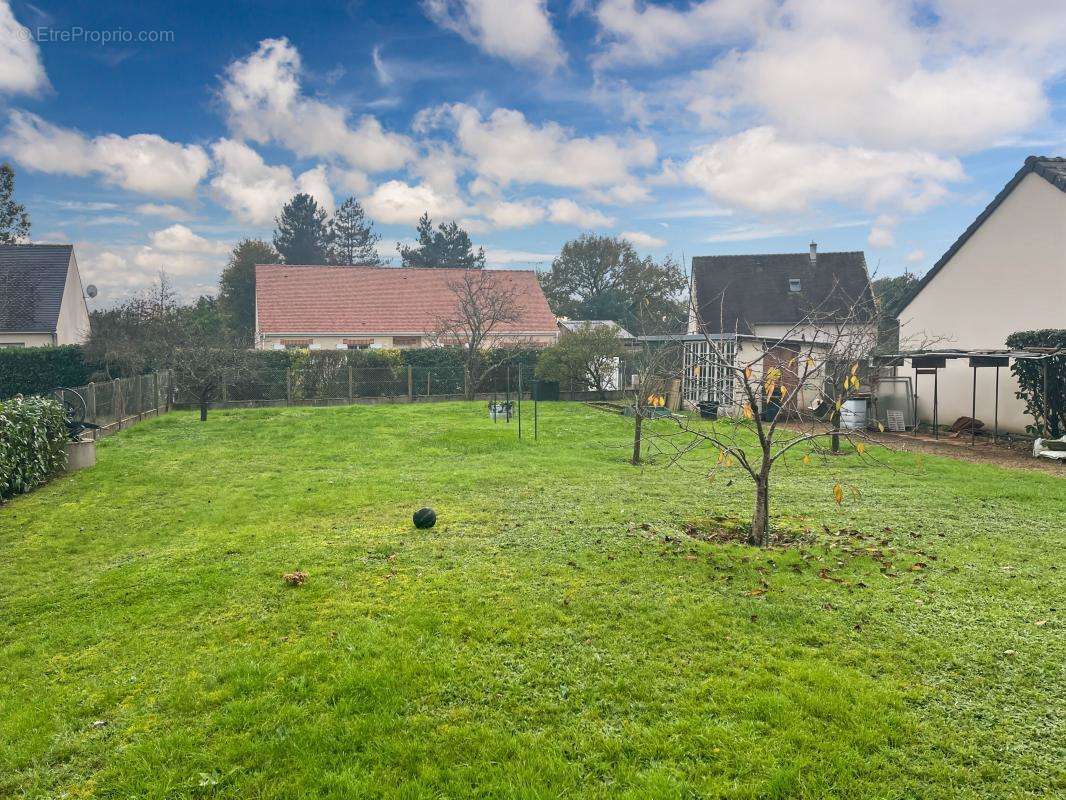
x: 72, y: 327
x: 1009, y: 276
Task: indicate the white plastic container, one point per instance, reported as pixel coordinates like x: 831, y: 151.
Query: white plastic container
x: 853, y: 414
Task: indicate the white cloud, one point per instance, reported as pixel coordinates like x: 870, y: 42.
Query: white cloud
x: 502, y: 257
x: 915, y: 256
x: 641, y: 239
x: 519, y: 31
x: 566, y: 212
x: 652, y: 33
x: 885, y: 73
x: 505, y: 148
x: 254, y: 190
x: 396, y: 202
x: 758, y: 170
x: 882, y: 234
x: 519, y: 214
x: 265, y: 103
x: 192, y: 260
x: 21, y: 70
x: 164, y: 210
x: 143, y: 163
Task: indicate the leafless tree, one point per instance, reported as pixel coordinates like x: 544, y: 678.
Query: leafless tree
x: 202, y: 367
x: 483, y: 303
x: 784, y: 391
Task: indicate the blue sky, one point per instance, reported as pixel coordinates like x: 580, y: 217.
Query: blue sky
x: 694, y: 128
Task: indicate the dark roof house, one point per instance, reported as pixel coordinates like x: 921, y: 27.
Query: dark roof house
x: 41, y: 298
x: 740, y: 294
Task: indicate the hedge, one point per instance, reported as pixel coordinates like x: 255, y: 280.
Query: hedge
x: 33, y: 439
x: 1049, y: 411
x: 38, y: 370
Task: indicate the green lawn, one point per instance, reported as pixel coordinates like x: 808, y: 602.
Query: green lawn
x: 556, y: 635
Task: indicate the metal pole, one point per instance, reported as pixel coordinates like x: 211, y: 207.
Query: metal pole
x: 973, y: 411
x: 520, y: 402
x: 936, y: 411
x: 536, y: 399
x: 914, y: 400
x: 995, y: 430
x: 351, y: 390
x: 1047, y: 405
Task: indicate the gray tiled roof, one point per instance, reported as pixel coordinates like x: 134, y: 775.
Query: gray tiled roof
x: 736, y: 293
x: 1051, y: 169
x: 32, y: 278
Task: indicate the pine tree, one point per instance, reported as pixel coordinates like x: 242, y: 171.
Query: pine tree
x: 447, y: 246
x: 303, y: 235
x: 14, y: 221
x: 354, y: 240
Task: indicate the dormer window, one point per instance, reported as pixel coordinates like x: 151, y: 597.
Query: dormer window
x: 794, y: 285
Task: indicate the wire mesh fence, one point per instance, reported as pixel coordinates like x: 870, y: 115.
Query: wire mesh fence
x: 118, y: 403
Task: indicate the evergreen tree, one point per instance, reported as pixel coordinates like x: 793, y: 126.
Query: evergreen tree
x: 14, y: 221
x: 447, y: 246
x: 302, y: 235
x: 236, y: 286
x: 354, y: 240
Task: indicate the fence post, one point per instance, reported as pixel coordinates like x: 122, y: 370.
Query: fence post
x: 140, y: 397
x: 170, y: 388
x: 428, y: 373
x: 410, y: 384
x: 351, y: 392
x: 118, y: 400
x: 288, y: 386
x: 155, y: 393
x: 91, y: 402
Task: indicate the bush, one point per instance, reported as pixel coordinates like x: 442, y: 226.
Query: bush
x: 33, y: 439
x: 38, y: 370
x: 1050, y: 411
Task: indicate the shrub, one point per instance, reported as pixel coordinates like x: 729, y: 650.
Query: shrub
x: 33, y: 438
x: 1050, y: 411
x: 37, y: 370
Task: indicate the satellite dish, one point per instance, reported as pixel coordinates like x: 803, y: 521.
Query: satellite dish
x: 90, y: 290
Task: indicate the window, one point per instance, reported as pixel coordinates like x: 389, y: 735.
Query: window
x: 406, y: 341
x: 295, y: 344
x: 358, y: 344
x: 12, y: 344
x: 794, y: 285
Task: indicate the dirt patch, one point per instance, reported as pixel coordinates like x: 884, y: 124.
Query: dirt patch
x: 1013, y: 456
x: 723, y: 530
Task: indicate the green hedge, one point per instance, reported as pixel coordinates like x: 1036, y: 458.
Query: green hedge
x: 38, y: 370
x: 1049, y: 412
x: 33, y: 439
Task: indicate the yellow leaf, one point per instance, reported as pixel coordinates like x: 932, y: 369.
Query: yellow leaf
x: 748, y: 373
x: 747, y: 411
x: 729, y: 461
x: 806, y: 459
x: 696, y: 370
x: 881, y: 427
x: 854, y: 367
x: 838, y: 493
x: 861, y: 448
x: 810, y: 363
x: 721, y: 456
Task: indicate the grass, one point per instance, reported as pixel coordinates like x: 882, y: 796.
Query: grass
x: 556, y: 635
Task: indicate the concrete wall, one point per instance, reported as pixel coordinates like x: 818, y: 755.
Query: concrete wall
x: 1009, y: 276
x: 73, y: 324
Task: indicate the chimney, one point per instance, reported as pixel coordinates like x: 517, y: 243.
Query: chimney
x: 814, y: 252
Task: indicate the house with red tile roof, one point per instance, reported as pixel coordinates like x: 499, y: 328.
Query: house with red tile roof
x: 355, y: 307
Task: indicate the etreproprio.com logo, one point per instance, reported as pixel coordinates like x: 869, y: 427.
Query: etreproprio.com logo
x: 76, y: 34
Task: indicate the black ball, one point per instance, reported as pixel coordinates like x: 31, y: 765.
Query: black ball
x: 425, y: 518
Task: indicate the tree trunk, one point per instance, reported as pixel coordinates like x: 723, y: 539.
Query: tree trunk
x: 834, y: 420
x: 760, y: 522
x: 468, y: 384
x: 203, y: 411
x: 637, y: 421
